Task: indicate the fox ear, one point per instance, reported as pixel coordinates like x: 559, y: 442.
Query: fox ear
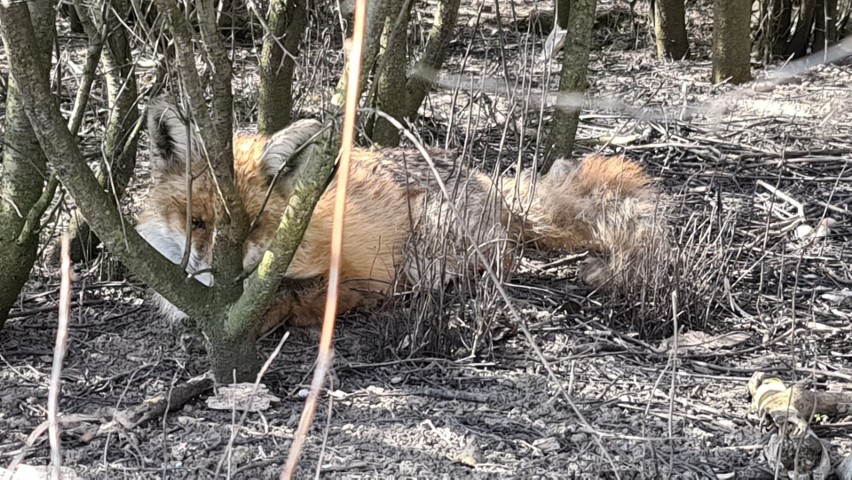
x: 170, y: 133
x: 282, y: 153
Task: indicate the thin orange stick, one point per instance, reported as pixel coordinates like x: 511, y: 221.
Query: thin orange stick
x: 59, y: 351
x: 348, y: 136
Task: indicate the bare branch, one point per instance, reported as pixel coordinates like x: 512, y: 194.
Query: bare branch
x: 62, y: 150
x: 58, y: 356
x: 216, y: 133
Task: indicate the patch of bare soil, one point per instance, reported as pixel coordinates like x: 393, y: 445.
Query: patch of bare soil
x: 749, y: 186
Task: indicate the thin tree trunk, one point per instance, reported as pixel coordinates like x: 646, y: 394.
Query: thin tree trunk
x: 731, y: 41
x: 670, y: 29
x: 426, y: 70
x: 825, y: 28
x: 572, y: 81
x: 392, y: 76
x: 232, y: 358
x: 563, y: 9
x: 24, y: 170
x: 798, y: 44
x: 287, y: 23
x: 376, y: 10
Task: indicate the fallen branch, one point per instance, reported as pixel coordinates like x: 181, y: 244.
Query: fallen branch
x: 152, y: 408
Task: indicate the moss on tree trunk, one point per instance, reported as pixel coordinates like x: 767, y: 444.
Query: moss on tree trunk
x: 399, y: 94
x: 393, y: 72
x: 287, y: 20
x: 670, y: 29
x: 23, y: 173
x: 731, y: 41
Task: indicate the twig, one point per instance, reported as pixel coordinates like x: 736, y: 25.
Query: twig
x: 672, y: 391
x: 58, y: 356
x: 325, y: 433
x: 152, y: 408
x: 800, y: 209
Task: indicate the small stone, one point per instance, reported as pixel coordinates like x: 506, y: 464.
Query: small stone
x: 804, y: 231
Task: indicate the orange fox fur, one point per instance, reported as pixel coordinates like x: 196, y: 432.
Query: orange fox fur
x: 398, y: 225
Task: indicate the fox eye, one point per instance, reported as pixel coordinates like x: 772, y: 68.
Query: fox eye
x: 198, y: 224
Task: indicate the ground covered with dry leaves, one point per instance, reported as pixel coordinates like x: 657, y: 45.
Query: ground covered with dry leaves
x: 750, y: 177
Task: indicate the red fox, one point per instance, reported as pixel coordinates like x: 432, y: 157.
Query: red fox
x: 398, y: 224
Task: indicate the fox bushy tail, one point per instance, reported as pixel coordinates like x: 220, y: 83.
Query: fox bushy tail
x: 603, y: 204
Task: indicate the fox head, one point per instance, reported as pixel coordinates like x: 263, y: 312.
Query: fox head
x: 174, y: 210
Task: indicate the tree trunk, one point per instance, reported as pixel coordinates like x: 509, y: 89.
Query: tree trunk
x: 392, y: 73
x: 376, y: 10
x: 563, y: 8
x: 572, y: 80
x: 426, y: 69
x: 121, y: 141
x: 286, y: 24
x: 731, y: 41
x: 670, y: 29
x: 825, y: 28
x: 232, y: 357
x: 800, y: 41
x: 24, y: 170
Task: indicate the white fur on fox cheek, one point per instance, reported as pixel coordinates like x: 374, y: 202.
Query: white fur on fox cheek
x: 163, y: 239
x: 170, y: 244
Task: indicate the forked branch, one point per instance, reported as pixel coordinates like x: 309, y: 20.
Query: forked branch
x: 62, y: 150
x: 216, y: 133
